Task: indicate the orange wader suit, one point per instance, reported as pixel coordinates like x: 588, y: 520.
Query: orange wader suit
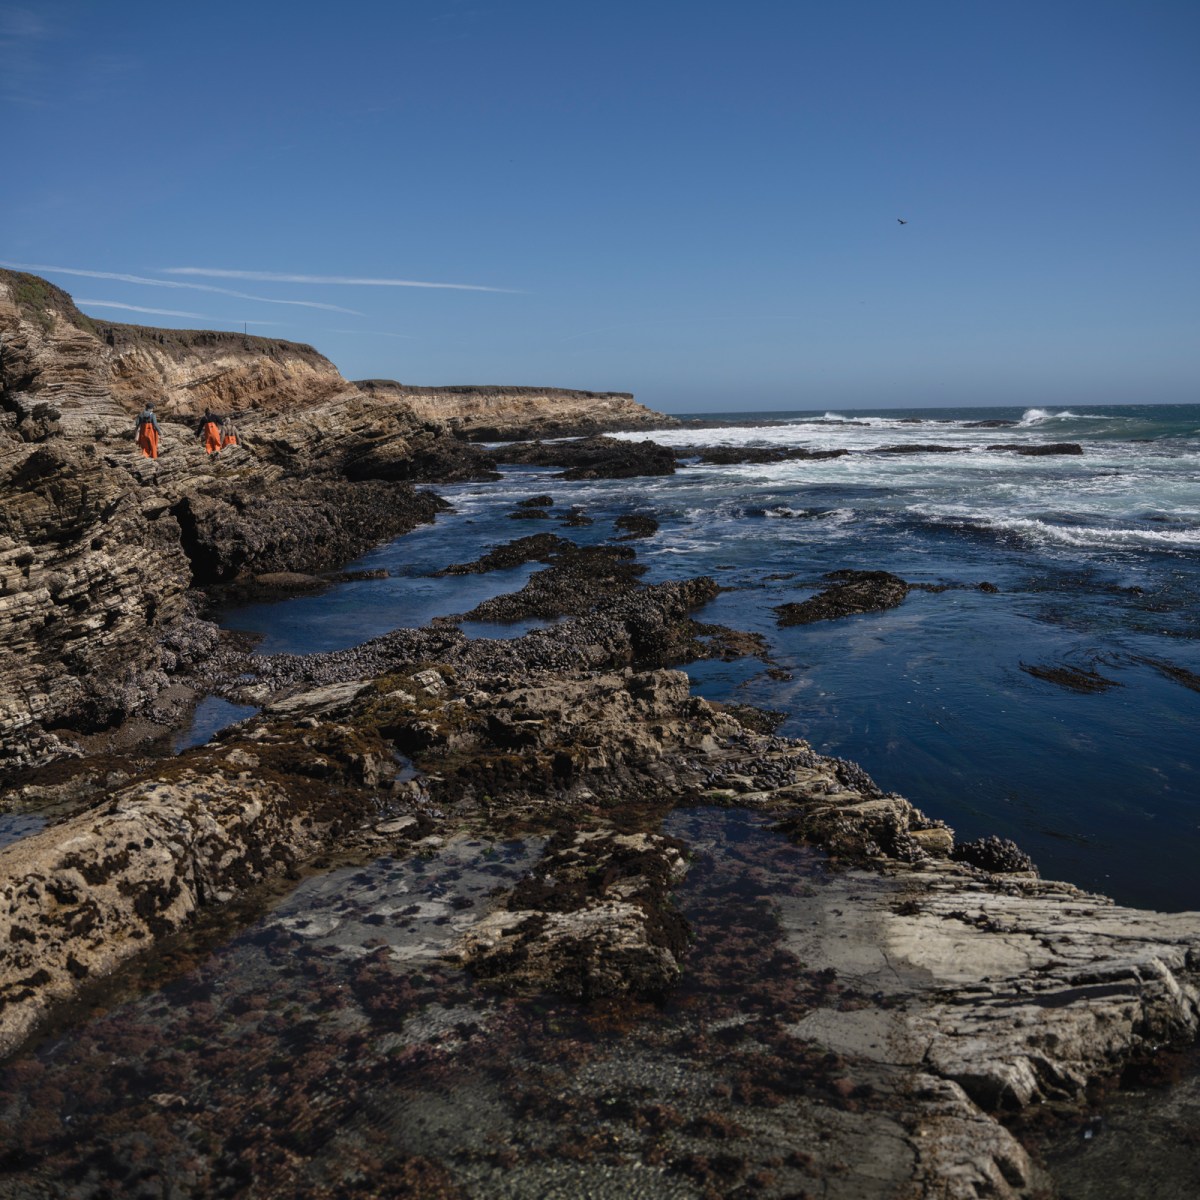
x: 228, y: 439
x: 212, y: 437
x: 147, y: 440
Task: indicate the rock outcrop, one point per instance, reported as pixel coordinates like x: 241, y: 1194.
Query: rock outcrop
x: 94, y: 605
x: 850, y: 593
x: 501, y: 414
x: 100, y: 548
x: 594, y: 457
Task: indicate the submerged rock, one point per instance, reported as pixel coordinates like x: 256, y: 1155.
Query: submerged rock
x: 1074, y: 679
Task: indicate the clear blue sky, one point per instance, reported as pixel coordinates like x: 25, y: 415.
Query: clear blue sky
x: 696, y: 201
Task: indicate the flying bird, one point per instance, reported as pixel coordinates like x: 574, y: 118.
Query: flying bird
x: 902, y: 220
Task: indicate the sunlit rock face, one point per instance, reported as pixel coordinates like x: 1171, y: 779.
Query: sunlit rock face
x: 507, y: 413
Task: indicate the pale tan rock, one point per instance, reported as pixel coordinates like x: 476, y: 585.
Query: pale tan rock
x: 79, y: 898
x: 520, y: 412
x: 319, y: 701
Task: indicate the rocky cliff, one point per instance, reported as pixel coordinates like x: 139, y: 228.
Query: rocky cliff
x: 100, y: 548
x: 495, y: 414
x: 96, y: 372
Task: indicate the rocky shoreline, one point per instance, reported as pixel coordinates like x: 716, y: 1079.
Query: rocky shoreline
x: 792, y: 981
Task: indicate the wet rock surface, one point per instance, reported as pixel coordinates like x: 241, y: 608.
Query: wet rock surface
x: 593, y: 458
x: 732, y: 455
x: 538, y: 547
x: 592, y: 919
x: 577, y: 579
x: 635, y: 525
x: 1040, y: 451
x: 852, y: 592
x: 1074, y: 679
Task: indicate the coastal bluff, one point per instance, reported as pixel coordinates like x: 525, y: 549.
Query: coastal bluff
x: 496, y: 414
x: 105, y: 556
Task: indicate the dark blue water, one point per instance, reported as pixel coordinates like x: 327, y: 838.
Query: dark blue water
x: 1097, y: 562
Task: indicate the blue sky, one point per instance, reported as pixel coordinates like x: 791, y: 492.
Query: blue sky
x: 694, y: 201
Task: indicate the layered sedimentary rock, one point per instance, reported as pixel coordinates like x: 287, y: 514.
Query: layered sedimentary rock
x: 83, y: 897
x: 493, y: 414
x: 100, y: 546
x: 104, y: 372
x: 93, y: 592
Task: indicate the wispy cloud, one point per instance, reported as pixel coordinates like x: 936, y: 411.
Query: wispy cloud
x: 173, y: 283
x: 166, y: 312
x: 160, y: 312
x: 354, y: 280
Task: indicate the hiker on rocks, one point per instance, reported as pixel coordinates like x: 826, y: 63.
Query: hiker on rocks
x: 146, y: 434
x: 210, y: 432
x: 229, y: 434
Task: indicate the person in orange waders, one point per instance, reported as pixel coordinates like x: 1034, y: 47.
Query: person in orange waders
x: 146, y: 435
x: 210, y: 431
x: 228, y: 433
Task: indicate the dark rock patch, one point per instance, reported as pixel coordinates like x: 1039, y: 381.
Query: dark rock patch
x: 918, y: 448
x: 594, y: 919
x: 758, y: 720
x: 536, y: 502
x: 358, y: 576
x: 572, y: 585
x: 576, y: 518
x: 721, y: 456
x: 636, y: 525
x: 431, y: 460
x: 296, y: 525
x: 853, y: 592
x: 995, y: 854
x: 538, y: 547
x: 1072, y: 678
x: 1040, y: 451
x: 593, y: 458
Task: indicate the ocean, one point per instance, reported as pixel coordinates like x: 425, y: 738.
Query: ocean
x: 1095, y: 562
